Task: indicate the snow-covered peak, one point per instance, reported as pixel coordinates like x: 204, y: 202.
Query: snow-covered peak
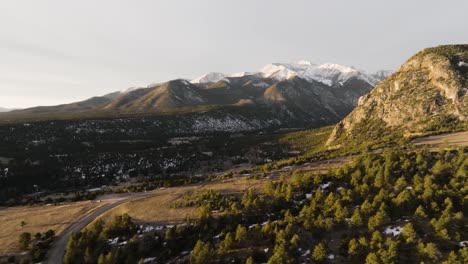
x: 329, y: 73
x: 125, y: 91
x: 376, y: 77
x: 278, y: 71
x: 240, y: 74
x: 209, y: 77
x: 337, y: 68
x: 217, y: 76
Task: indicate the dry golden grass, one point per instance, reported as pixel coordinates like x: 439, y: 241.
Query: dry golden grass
x: 159, y: 209
x: 38, y: 219
x: 156, y: 209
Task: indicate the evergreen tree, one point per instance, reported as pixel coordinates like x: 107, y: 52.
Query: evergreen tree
x: 319, y: 253
x: 202, y: 253
x: 372, y: 258
x: 226, y: 244
x: 249, y: 260
x: 408, y: 233
x: 24, y: 240
x: 241, y: 233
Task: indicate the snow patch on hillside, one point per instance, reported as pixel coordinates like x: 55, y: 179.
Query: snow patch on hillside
x: 395, y: 231
x: 230, y: 124
x: 209, y: 77
x: 126, y: 91
x: 213, y: 77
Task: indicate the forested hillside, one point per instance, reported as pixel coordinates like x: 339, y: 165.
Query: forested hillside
x: 389, y: 207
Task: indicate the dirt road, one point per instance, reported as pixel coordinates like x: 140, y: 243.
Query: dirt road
x: 455, y: 139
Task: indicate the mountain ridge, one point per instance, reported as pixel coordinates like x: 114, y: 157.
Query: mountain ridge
x: 328, y: 73
x: 426, y: 95
x: 296, y: 99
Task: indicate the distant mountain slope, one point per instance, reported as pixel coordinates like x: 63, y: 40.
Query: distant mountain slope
x: 2, y: 109
x: 301, y: 93
x: 428, y: 93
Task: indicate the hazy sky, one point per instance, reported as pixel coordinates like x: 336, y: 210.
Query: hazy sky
x: 60, y: 51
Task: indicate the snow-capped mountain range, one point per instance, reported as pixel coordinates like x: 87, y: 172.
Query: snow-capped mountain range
x: 329, y: 74
x: 286, y: 94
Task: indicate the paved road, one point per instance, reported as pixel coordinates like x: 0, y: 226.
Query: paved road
x: 57, y: 251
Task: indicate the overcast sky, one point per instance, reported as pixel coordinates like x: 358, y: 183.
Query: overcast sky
x: 60, y: 51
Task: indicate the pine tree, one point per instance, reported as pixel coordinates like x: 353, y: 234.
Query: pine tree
x: 202, y: 253
x: 24, y: 240
x: 226, y: 244
x: 319, y: 253
x: 280, y: 256
x: 356, y: 219
x: 88, y: 257
x: 372, y: 258
x: 353, y: 247
x: 408, y: 233
x: 452, y: 259
x: 101, y: 259
x: 376, y: 240
x: 420, y: 212
x: 241, y: 233
x: 249, y: 260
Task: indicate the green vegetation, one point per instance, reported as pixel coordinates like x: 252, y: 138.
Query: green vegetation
x: 452, y: 52
x: 36, y: 246
x: 390, y: 207
x: 311, y: 140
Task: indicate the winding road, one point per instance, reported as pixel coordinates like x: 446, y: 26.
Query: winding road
x: 57, y: 251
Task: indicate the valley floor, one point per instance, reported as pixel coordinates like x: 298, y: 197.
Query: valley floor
x: 156, y: 207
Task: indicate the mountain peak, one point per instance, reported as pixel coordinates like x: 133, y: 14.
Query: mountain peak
x: 427, y: 94
x: 330, y: 74
x: 210, y: 77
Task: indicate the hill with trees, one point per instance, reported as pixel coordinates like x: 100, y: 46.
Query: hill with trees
x: 428, y: 94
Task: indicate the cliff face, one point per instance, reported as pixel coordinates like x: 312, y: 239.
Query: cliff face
x: 427, y: 93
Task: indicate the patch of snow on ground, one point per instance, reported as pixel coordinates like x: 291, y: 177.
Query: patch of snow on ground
x: 113, y: 241
x: 462, y: 64
x: 395, y: 231
x: 325, y: 185
x: 148, y: 229
x: 463, y: 243
x: 146, y: 260
x: 306, y: 253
